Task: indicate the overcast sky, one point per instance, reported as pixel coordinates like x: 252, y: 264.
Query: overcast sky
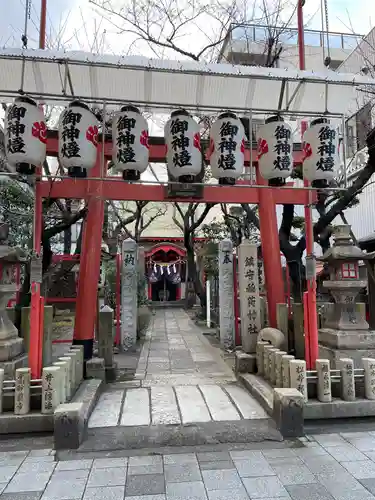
x: 344, y: 15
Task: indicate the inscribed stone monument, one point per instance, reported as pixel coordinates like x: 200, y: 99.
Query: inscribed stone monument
x: 249, y: 295
x: 226, y: 297
x: 129, y: 294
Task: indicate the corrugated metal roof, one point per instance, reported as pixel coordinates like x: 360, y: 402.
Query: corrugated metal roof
x: 163, y: 84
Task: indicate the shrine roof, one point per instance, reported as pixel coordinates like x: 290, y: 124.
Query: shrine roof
x: 155, y: 84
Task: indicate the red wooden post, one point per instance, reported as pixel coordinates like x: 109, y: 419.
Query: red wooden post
x: 41, y: 335
x: 270, y: 250
x: 35, y: 287
x: 86, y: 308
x: 306, y: 328
x: 237, y: 333
x: 118, y: 299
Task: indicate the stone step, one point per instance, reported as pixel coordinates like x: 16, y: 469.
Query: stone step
x: 175, y: 405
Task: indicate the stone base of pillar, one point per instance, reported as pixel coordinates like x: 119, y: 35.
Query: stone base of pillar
x: 334, y: 355
x: 244, y: 363
x: 347, y: 339
x: 111, y: 373
x: 10, y: 367
x: 10, y: 348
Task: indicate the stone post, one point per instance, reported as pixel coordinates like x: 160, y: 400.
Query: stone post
x: 2, y: 373
x: 285, y: 370
x: 22, y: 391
x: 266, y: 364
x: 288, y: 412
x: 260, y: 356
x: 369, y: 367
x: 299, y: 330
x: 105, y: 337
x: 71, y: 375
x: 298, y: 378
x: 346, y: 366
x: 323, y: 373
x: 51, y: 388
x: 75, y: 360
x: 80, y: 366
x: 226, y: 294
x: 249, y: 295
x: 278, y: 371
x: 64, y: 380
x: 129, y: 299
x: 282, y: 320
x: 271, y: 361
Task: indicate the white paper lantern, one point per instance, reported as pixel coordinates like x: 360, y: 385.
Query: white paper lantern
x: 227, y: 148
x: 78, y: 139
x: 130, y: 148
x: 25, y: 135
x: 321, y: 155
x: 275, y: 150
x: 183, y: 144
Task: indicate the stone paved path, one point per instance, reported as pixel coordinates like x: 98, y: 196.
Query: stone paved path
x: 180, y: 379
x: 320, y: 467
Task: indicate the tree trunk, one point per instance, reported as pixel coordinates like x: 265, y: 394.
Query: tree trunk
x: 192, y: 274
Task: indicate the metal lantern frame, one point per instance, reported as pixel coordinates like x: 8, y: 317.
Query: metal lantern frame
x: 166, y: 85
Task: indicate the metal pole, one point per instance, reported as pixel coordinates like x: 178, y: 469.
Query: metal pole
x: 37, y: 303
x: 208, y: 303
x: 43, y: 22
x: 311, y: 333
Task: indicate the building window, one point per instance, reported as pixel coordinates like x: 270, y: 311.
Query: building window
x: 349, y: 271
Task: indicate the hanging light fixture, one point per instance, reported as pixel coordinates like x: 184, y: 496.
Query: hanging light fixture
x: 227, y: 148
x: 130, y: 147
x: 183, y: 144
x: 275, y: 150
x: 321, y: 157
x: 78, y: 139
x: 25, y: 135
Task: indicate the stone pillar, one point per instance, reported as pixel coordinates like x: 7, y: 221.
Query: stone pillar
x: 22, y: 391
x: 346, y: 366
x: 71, y: 375
x: 278, y: 370
x: 285, y: 370
x: 95, y: 368
x: 266, y: 364
x: 271, y: 361
x: 105, y: 336
x: 226, y: 295
x: 64, y: 380
x: 299, y: 330
x: 75, y: 360
x: 80, y: 367
x: 51, y: 388
x: 2, y: 373
x: 323, y: 373
x: 369, y: 367
x: 288, y: 412
x: 282, y: 321
x: 129, y: 285
x: 298, y: 379
x: 260, y: 356
x: 249, y: 295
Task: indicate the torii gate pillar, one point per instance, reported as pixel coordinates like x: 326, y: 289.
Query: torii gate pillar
x: 270, y: 250
x: 89, y: 268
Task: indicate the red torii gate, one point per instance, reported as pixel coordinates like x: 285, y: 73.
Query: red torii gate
x: 98, y: 187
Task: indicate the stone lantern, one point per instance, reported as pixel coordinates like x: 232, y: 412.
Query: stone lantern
x: 11, y: 346
x: 346, y: 331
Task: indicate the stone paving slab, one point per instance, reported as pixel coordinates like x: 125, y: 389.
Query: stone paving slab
x: 268, y: 474
x: 182, y: 380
